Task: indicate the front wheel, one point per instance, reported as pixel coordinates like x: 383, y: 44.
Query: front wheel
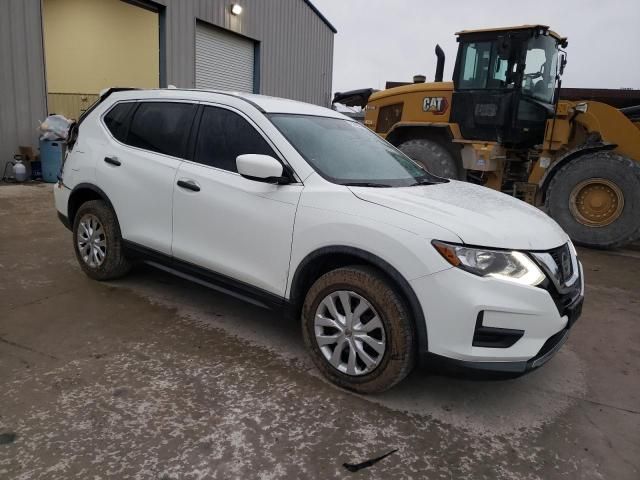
x: 358, y: 330
x: 596, y: 198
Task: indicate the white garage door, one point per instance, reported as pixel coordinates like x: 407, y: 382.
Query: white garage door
x: 224, y: 61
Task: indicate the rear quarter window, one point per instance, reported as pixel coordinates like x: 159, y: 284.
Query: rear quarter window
x: 117, y: 120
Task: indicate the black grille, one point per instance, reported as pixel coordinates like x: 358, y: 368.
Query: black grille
x: 562, y: 257
x: 564, y: 299
x: 556, y: 282
x: 388, y: 116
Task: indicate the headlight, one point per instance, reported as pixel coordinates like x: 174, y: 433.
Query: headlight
x: 511, y: 266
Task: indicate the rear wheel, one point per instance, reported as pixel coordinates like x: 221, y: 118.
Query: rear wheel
x: 358, y: 330
x: 432, y: 156
x: 595, y: 198
x: 97, y: 241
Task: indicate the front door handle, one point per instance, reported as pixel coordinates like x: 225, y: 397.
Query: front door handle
x: 112, y: 161
x: 189, y: 185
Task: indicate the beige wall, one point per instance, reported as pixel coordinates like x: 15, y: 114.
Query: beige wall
x: 95, y: 44
x: 71, y: 105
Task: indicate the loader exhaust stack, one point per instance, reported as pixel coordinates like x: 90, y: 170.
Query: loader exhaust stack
x: 440, y: 65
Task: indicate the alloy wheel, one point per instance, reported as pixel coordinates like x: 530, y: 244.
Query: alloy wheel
x: 349, y: 333
x: 92, y: 241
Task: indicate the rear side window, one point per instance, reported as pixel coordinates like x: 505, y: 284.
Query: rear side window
x: 161, y: 127
x: 117, y: 120
x: 223, y: 136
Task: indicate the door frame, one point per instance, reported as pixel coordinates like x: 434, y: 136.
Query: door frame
x: 161, y: 10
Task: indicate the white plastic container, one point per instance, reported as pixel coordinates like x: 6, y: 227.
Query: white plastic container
x: 19, y: 171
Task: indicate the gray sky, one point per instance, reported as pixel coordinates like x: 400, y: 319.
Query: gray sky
x: 381, y: 40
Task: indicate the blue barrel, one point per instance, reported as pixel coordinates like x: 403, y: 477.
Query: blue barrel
x: 51, y: 155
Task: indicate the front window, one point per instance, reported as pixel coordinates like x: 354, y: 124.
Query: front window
x: 223, y: 136
x: 486, y: 66
x: 539, y: 80
x: 483, y: 66
x: 347, y: 153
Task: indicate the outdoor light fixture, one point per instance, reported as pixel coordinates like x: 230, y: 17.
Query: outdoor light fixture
x: 236, y: 9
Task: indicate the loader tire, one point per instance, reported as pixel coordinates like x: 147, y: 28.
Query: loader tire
x: 433, y: 156
x: 596, y: 199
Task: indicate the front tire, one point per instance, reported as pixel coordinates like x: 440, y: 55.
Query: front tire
x: 596, y: 198
x: 433, y: 156
x: 97, y: 241
x: 358, y: 330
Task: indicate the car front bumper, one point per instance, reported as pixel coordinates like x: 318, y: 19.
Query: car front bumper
x: 531, y: 323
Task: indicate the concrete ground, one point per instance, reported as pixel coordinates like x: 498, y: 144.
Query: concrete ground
x: 152, y: 377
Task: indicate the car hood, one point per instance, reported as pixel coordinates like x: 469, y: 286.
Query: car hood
x: 478, y: 215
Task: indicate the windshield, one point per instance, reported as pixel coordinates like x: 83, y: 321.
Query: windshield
x: 347, y: 153
x: 539, y: 80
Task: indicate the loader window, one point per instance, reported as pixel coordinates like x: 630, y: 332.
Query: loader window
x: 541, y: 63
x: 500, y: 69
x: 475, y: 60
x: 483, y: 67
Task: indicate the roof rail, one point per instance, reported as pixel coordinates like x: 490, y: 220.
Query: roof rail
x: 104, y: 94
x: 108, y: 91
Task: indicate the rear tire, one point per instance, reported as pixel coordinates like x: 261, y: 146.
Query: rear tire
x: 596, y: 199
x: 375, y: 370
x: 97, y: 241
x: 433, y: 156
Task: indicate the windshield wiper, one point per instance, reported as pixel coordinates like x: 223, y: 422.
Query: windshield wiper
x: 366, y: 184
x: 423, y: 181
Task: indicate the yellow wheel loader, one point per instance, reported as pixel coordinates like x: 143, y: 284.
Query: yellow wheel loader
x: 500, y: 123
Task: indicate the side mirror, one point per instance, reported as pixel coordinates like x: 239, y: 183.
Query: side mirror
x: 261, y: 168
x: 563, y: 62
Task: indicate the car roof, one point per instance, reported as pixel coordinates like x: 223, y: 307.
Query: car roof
x: 264, y: 103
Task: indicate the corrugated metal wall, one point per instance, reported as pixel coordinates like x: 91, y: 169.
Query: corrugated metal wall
x: 296, y: 46
x: 22, y: 77
x: 296, y: 55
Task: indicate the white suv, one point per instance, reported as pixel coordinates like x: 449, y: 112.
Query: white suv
x: 296, y: 207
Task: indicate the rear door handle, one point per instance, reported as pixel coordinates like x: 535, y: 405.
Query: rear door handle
x: 189, y: 185
x: 112, y: 161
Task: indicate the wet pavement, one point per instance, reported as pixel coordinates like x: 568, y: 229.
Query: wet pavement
x: 154, y: 377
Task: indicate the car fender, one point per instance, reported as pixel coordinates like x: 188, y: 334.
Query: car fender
x: 391, y: 236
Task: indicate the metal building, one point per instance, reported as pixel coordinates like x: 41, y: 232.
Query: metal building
x: 277, y: 47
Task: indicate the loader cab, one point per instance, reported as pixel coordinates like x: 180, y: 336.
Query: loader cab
x: 505, y: 83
